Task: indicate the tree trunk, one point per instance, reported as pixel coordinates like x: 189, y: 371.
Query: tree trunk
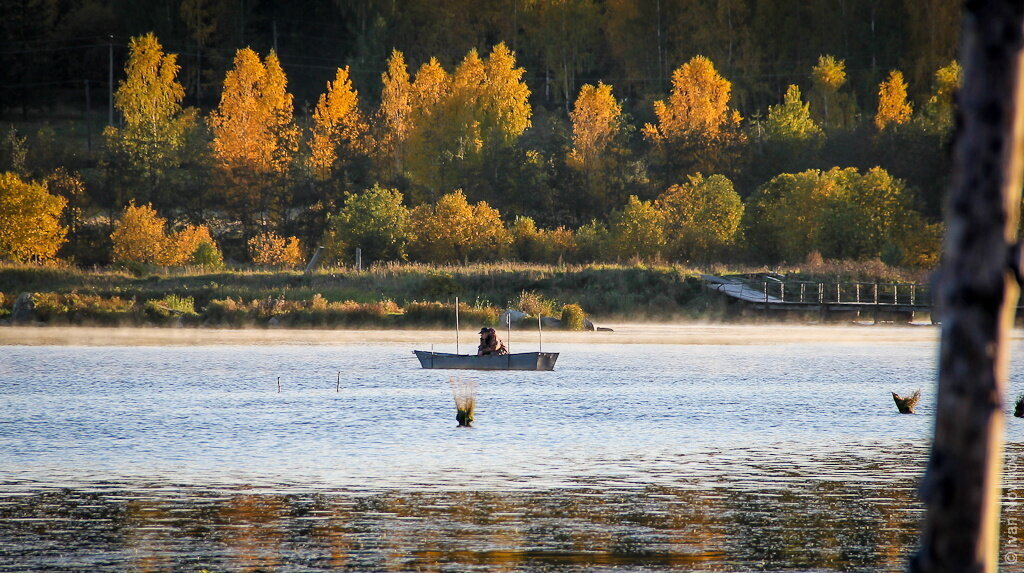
x: 978, y: 292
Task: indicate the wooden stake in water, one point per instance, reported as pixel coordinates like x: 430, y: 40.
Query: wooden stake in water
x: 338, y: 388
x: 456, y: 325
x: 278, y: 384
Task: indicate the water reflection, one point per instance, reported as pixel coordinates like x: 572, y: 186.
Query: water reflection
x: 648, y: 457
x: 815, y: 521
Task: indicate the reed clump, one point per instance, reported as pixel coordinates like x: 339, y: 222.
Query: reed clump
x: 1018, y: 407
x: 464, y: 392
x: 906, y: 404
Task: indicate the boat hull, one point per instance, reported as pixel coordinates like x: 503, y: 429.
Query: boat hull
x: 520, y: 361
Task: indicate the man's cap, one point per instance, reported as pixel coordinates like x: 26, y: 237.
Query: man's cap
x: 482, y: 330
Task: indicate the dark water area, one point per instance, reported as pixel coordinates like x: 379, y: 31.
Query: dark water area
x: 626, y: 457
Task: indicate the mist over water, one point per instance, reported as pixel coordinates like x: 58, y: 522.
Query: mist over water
x: 701, y: 448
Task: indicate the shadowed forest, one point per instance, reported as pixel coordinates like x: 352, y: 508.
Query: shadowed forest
x: 192, y: 132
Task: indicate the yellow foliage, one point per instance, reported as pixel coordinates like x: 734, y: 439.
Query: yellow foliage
x: 452, y: 230
x: 829, y: 73
x: 698, y: 105
x: 149, y: 99
x: 270, y: 249
x: 893, y: 107
x: 596, y: 118
x: 252, y: 127
x: 430, y: 87
x: 483, y: 104
x: 139, y: 236
x: 30, y: 228
x: 149, y: 96
x: 394, y: 111
x: 338, y: 125
x: 182, y: 246
x: 505, y: 106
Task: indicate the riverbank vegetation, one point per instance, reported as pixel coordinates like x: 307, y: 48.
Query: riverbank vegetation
x: 394, y: 296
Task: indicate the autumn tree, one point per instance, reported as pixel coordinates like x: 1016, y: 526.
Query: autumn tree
x: 143, y: 153
x: 453, y: 230
x: 531, y: 244
x: 339, y: 130
x: 254, y: 138
x: 30, y: 221
x: 700, y: 216
x: 638, y: 230
x: 596, y: 118
x: 937, y: 113
x: 192, y: 245
x: 139, y: 235
x: 393, y: 116
x: 828, y: 75
x: 893, y: 107
x: 840, y: 213
x: 272, y: 250
x: 375, y: 221
x: 695, y: 126
x: 466, y: 120
x: 598, y: 152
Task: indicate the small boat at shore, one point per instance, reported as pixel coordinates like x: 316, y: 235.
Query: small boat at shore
x: 518, y: 361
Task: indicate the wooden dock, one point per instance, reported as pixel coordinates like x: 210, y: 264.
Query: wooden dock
x: 897, y: 302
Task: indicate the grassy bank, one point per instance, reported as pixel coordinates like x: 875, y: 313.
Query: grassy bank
x: 386, y: 296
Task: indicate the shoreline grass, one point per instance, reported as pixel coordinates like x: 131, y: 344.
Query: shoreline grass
x: 390, y: 296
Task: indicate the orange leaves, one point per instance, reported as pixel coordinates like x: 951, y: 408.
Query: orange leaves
x: 252, y: 127
x: 139, y: 236
x: 697, y: 106
x: 270, y: 249
x: 596, y: 118
x: 893, y: 107
x: 338, y: 125
x: 150, y: 94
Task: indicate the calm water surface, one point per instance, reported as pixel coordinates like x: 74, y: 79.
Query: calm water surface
x: 627, y: 457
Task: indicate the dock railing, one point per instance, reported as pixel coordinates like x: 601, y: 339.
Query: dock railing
x: 863, y: 293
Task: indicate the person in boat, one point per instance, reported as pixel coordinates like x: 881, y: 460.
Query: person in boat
x: 490, y: 343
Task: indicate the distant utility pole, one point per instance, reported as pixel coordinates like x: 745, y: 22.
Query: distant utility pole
x: 979, y: 288
x: 110, y: 81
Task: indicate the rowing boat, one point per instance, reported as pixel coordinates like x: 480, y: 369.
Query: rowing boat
x: 519, y: 361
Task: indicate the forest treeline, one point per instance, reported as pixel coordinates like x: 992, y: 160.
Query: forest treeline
x: 458, y: 159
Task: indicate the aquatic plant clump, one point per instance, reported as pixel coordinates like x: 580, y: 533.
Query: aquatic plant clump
x: 906, y: 404
x: 464, y: 392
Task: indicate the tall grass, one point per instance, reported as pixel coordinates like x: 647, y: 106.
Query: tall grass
x: 464, y: 392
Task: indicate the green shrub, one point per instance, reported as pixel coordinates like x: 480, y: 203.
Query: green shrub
x: 170, y: 306
x: 439, y: 285
x: 573, y: 317
x: 208, y: 256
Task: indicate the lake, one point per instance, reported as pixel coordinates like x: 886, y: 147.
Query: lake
x: 651, y: 448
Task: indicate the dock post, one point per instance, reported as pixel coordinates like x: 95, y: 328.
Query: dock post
x: 766, y: 300
x: 875, y: 296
